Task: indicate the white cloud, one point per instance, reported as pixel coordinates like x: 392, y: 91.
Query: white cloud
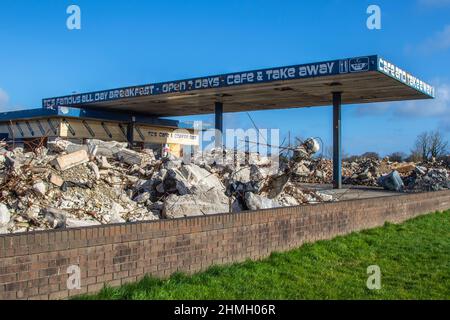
x: 428, y: 108
x: 4, y: 98
x: 439, y: 41
x: 438, y: 108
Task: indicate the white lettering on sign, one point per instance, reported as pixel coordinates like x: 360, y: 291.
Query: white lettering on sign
x: 314, y: 70
x: 352, y: 65
x: 240, y: 78
x: 280, y: 74
x: 401, y: 75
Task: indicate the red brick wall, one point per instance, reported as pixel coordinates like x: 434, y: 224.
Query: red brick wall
x: 35, y: 265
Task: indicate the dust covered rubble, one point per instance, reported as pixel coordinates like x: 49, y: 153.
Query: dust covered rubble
x: 71, y: 185
x: 395, y: 176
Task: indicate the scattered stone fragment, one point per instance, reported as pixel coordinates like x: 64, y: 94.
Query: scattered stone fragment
x: 40, y: 188
x: 56, y: 180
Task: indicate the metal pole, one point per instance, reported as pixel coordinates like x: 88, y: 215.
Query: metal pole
x: 337, y: 141
x: 219, y: 124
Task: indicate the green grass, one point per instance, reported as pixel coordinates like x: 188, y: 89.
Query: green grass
x: 414, y: 258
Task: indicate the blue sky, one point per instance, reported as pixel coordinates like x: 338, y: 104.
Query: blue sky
x: 131, y: 42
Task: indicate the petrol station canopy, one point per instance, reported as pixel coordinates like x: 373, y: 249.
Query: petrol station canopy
x: 360, y: 80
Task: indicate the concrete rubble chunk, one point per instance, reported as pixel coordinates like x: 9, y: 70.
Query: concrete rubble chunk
x: 60, y: 145
x: 55, y: 217
x: 95, y: 170
x: 75, y: 223
x: 200, y: 203
x: 150, y: 153
x: 132, y: 157
x: 71, y: 160
x: 40, y: 188
x: 5, y: 215
x: 106, y: 148
x: 143, y: 197
x: 242, y: 174
x: 103, y: 163
x: 115, y: 214
x: 434, y: 180
x: 277, y: 185
x: 56, y: 180
x: 420, y: 170
x: 194, y: 175
x: 257, y: 202
x: 404, y: 167
x: 392, y: 182
x: 170, y: 164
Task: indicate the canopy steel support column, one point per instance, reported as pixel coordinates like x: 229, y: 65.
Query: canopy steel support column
x: 219, y: 124
x: 337, y: 141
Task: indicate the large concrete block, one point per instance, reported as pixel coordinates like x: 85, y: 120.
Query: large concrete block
x: 71, y: 160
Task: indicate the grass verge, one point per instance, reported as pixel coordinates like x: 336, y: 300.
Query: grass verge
x: 414, y: 258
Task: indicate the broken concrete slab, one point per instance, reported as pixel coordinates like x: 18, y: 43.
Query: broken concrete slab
x: 106, y: 148
x: 60, y: 145
x: 76, y: 223
x: 200, y: 203
x: 132, y: 157
x: 71, y: 160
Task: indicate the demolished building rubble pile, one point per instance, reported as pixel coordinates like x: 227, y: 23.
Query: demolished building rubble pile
x: 71, y: 185
x: 74, y: 185
x: 420, y: 177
